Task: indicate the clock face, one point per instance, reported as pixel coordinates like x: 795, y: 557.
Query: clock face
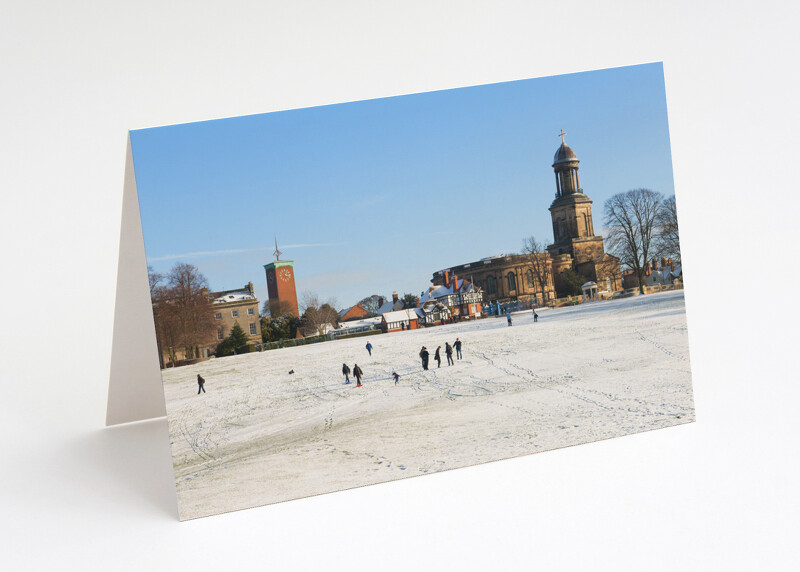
x: 285, y: 274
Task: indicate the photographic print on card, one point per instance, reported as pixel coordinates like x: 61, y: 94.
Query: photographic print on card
x: 355, y: 293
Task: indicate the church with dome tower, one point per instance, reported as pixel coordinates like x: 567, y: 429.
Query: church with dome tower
x: 575, y: 245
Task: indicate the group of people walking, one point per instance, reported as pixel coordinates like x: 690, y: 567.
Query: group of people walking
x: 424, y: 354
x: 357, y: 373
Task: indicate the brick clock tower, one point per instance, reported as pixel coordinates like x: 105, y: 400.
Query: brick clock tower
x: 280, y: 284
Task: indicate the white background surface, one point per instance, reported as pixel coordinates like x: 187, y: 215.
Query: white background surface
x: 719, y: 494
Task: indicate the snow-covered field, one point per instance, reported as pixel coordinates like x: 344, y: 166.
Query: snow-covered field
x: 260, y: 435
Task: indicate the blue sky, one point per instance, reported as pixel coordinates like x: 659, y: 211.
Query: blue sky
x: 374, y: 196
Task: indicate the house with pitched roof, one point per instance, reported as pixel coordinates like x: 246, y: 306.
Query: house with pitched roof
x: 461, y: 297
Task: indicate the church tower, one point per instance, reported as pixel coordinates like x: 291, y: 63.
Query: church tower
x: 280, y: 285
x: 575, y: 245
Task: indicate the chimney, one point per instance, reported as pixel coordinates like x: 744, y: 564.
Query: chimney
x: 394, y: 296
x: 663, y: 262
x: 446, y: 278
x: 250, y: 287
x: 655, y: 264
x: 455, y: 283
x: 417, y: 301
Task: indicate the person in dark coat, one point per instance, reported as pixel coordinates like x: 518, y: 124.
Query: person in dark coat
x: 448, y: 350
x: 369, y: 348
x: 457, y: 346
x: 535, y: 316
x: 346, y: 372
x: 200, y: 383
x: 424, y: 355
x: 438, y: 357
x: 357, y: 373
x: 396, y: 377
x: 508, y: 315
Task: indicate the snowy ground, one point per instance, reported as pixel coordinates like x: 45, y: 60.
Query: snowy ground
x: 580, y: 374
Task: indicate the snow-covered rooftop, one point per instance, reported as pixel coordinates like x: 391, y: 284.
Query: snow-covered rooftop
x: 401, y: 315
x: 435, y: 292
x: 389, y: 306
x: 234, y: 297
x: 359, y: 323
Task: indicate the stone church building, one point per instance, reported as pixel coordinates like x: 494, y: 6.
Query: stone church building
x: 575, y: 247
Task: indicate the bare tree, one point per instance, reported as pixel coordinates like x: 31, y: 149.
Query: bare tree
x: 667, y: 243
x: 316, y: 316
x: 182, y: 310
x: 157, y: 300
x: 276, y: 308
x: 155, y: 279
x: 630, y: 218
x: 540, y: 264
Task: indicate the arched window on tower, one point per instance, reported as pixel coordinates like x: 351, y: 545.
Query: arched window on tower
x: 491, y: 285
x: 529, y: 278
x: 512, y: 281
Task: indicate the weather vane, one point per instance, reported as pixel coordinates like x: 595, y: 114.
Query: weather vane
x: 277, y: 253
x: 562, y: 136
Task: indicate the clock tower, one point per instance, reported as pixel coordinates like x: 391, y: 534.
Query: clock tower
x: 280, y: 285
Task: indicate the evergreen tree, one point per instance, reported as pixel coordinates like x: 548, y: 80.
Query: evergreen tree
x: 238, y: 339
x: 573, y: 282
x: 409, y: 301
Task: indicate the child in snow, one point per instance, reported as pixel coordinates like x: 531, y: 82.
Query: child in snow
x: 369, y: 348
x: 396, y: 377
x: 357, y: 373
x: 200, y: 383
x: 509, y: 318
x: 346, y: 372
x: 535, y: 316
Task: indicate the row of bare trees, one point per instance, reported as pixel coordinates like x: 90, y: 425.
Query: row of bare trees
x: 640, y: 225
x: 182, y: 311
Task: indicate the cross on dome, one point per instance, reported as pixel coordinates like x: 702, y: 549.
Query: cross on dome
x: 562, y: 136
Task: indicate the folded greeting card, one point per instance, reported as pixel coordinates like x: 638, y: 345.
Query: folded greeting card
x: 355, y: 293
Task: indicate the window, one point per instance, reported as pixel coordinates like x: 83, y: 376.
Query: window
x: 218, y: 316
x: 491, y: 285
x: 253, y: 328
x: 251, y: 312
x: 235, y: 313
x: 512, y: 281
x: 220, y: 334
x: 529, y: 276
